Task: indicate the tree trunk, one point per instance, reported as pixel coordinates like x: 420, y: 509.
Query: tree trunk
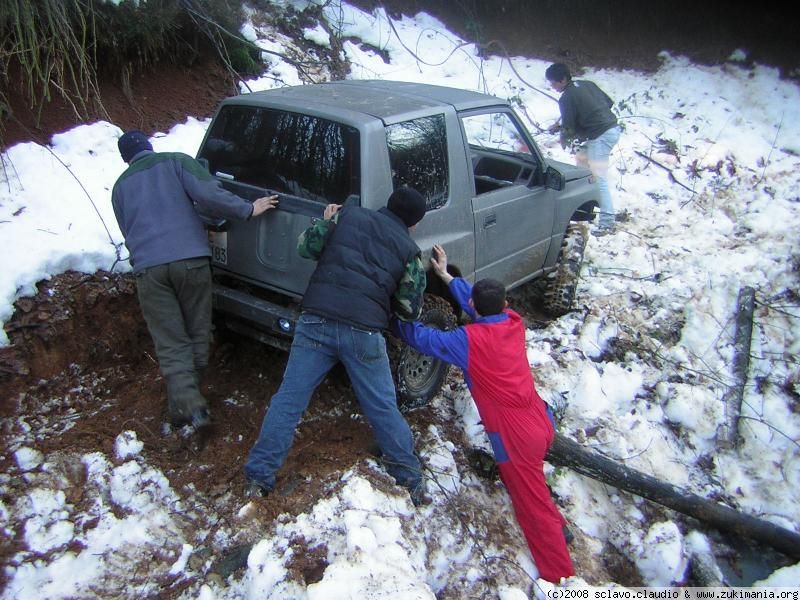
x: 567, y: 453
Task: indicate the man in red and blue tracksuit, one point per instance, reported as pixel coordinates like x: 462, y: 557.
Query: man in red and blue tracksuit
x: 492, y: 353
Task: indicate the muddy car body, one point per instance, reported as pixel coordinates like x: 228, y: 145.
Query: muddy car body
x: 497, y: 205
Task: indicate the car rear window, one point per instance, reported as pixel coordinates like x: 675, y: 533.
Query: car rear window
x: 287, y: 152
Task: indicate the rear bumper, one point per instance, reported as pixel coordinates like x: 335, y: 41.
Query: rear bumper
x: 253, y: 316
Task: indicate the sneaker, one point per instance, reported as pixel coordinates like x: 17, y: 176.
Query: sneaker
x: 255, y: 490
x: 419, y: 496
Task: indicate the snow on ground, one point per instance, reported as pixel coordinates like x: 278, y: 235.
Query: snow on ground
x: 707, y: 173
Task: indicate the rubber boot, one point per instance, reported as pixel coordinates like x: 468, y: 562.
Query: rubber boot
x: 187, y: 406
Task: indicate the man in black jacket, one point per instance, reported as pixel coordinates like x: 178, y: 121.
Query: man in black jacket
x: 586, y: 117
x: 368, y: 269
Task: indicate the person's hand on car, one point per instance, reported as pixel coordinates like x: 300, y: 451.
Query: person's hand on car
x: 439, y: 263
x: 330, y: 210
x: 263, y: 204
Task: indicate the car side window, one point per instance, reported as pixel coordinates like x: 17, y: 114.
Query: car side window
x: 418, y: 157
x: 499, y: 151
x: 287, y: 152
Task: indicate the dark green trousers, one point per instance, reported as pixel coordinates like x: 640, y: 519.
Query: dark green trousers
x: 176, y: 302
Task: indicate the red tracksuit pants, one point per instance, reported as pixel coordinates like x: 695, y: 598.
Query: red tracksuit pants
x: 537, y: 515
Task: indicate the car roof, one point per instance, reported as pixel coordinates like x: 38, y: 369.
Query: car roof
x: 378, y: 98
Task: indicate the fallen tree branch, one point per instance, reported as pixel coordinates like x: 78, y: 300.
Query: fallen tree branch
x: 567, y: 453
x: 670, y: 174
x: 772, y: 427
x: 728, y: 432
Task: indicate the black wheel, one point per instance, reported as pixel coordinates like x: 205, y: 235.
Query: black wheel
x: 562, y: 283
x: 420, y: 377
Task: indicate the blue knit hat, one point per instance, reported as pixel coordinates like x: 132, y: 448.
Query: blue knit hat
x: 131, y: 143
x: 408, y: 204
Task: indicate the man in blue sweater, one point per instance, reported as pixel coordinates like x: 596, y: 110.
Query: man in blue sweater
x: 158, y: 201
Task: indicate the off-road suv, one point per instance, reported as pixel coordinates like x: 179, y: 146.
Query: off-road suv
x: 497, y: 205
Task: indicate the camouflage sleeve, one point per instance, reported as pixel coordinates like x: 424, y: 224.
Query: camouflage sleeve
x: 311, y: 242
x: 407, y: 300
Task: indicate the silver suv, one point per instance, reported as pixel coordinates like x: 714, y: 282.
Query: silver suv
x: 500, y: 208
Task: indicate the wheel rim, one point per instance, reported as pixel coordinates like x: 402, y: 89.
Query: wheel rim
x: 418, y: 370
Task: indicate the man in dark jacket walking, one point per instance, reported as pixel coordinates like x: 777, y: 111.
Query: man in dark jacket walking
x: 158, y: 201
x: 368, y: 268
x: 586, y: 117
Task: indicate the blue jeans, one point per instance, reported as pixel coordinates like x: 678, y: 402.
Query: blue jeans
x: 319, y: 343
x: 597, y: 152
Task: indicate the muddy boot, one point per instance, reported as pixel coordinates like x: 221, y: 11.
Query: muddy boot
x: 187, y: 406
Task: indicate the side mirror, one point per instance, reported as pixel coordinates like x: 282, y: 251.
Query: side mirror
x: 204, y: 162
x: 554, y: 179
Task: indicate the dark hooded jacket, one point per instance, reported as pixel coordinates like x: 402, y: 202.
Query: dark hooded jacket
x: 364, y: 258
x: 585, y: 111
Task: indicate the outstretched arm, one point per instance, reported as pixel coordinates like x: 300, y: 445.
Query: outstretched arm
x: 462, y: 292
x: 460, y: 288
x: 449, y: 346
x: 263, y: 204
x: 439, y: 263
x: 210, y: 198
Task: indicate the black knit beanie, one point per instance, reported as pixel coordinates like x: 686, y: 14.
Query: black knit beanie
x: 131, y: 143
x: 408, y: 204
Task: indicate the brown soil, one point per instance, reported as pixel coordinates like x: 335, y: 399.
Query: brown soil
x: 85, y: 332
x: 158, y: 99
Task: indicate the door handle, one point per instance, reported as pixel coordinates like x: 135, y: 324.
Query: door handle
x: 489, y: 220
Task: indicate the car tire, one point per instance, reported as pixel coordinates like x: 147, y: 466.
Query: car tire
x: 562, y: 284
x: 419, y: 377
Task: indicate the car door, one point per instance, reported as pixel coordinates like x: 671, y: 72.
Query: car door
x: 512, y: 209
x: 307, y: 160
x: 426, y: 153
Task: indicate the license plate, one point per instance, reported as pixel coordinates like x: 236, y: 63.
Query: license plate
x: 219, y: 246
